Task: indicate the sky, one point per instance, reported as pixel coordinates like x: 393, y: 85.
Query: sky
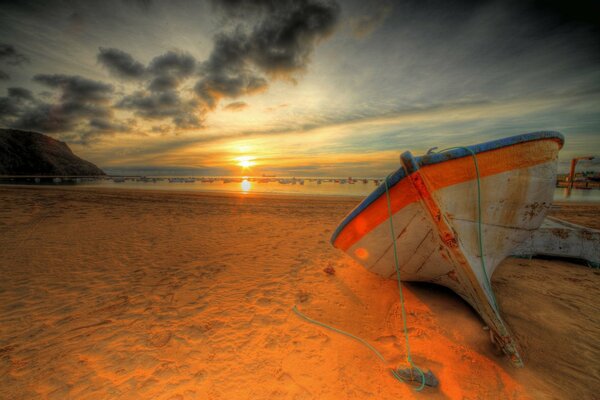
x: 296, y: 87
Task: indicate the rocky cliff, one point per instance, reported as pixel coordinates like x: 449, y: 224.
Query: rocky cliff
x: 31, y: 153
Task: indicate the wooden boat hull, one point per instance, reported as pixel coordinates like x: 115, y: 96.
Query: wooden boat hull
x: 434, y: 212
x: 558, y: 238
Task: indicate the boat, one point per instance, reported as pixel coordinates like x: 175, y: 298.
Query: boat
x: 441, y: 223
x: 558, y: 238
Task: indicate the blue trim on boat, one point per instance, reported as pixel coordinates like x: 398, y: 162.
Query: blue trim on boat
x: 435, y: 158
x: 379, y: 191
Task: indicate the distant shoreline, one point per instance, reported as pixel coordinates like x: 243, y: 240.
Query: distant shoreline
x: 186, y: 193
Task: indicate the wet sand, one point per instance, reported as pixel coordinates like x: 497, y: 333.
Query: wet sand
x: 138, y: 295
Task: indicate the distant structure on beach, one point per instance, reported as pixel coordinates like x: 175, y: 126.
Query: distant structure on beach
x: 33, y: 154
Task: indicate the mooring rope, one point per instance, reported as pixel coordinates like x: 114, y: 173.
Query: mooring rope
x: 393, y: 371
x: 400, y: 292
x: 479, y: 226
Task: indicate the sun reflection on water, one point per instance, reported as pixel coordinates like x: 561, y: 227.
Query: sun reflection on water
x: 246, y: 186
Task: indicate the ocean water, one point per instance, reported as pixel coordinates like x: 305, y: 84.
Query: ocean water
x: 310, y: 186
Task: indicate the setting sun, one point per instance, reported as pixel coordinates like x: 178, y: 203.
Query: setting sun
x: 245, y: 162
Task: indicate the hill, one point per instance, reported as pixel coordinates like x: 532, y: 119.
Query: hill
x: 31, y: 153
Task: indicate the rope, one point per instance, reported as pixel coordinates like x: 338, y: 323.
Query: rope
x: 362, y: 341
x: 404, y: 324
x: 401, y: 293
x: 331, y: 328
x: 479, y: 228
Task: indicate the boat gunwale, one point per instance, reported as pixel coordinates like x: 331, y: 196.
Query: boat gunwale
x: 436, y: 158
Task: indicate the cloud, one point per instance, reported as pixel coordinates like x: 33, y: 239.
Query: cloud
x: 283, y: 41
x: 10, y: 55
x: 176, y: 64
x: 14, y: 104
x: 272, y: 40
x: 236, y: 106
x: 169, y: 70
x: 161, y: 99
x: 160, y: 105
x: 76, y: 89
x: 278, y: 45
x: 163, y: 83
x: 83, y: 108
x: 4, y: 76
x: 20, y: 93
x: 121, y: 64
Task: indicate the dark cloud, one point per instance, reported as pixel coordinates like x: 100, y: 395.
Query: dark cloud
x: 121, y: 64
x: 15, y: 103
x: 162, y: 99
x: 283, y: 42
x: 10, y: 55
x: 109, y: 125
x: 176, y: 64
x: 211, y: 90
x: 278, y: 45
x: 169, y: 70
x: 160, y: 105
x: 260, y: 40
x: 82, y: 108
x: 4, y: 76
x: 236, y: 106
x: 163, y: 83
x: 75, y: 88
x: 20, y: 93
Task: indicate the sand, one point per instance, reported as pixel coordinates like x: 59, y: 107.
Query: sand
x: 146, y: 295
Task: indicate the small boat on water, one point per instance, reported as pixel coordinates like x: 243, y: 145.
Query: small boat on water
x: 441, y: 236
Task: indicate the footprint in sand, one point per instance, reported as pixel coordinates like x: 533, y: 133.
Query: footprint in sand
x: 263, y: 301
x: 390, y: 339
x: 302, y: 297
x: 210, y: 270
x: 159, y: 339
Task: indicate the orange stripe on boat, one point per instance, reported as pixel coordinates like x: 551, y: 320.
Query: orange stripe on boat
x: 447, y: 173
x: 516, y: 156
x: 401, y: 194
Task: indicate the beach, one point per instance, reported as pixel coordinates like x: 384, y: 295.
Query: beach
x: 127, y: 294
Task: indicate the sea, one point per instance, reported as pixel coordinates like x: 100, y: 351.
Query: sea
x: 309, y: 186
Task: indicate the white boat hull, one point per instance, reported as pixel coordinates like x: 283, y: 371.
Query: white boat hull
x: 559, y: 238
x: 435, y: 218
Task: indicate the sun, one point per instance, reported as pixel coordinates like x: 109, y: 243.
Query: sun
x: 245, y: 162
